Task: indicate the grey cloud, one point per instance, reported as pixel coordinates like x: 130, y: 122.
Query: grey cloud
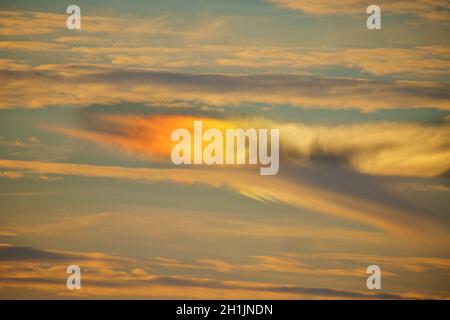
x: 19, y: 253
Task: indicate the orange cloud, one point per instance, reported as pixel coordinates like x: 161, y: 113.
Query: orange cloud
x: 11, y: 174
x: 30, y: 45
x: 147, y: 137
x: 373, y: 148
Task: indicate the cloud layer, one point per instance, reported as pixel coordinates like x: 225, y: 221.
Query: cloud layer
x: 110, y: 276
x: 89, y: 85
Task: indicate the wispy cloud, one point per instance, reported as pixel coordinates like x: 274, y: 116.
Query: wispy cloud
x: 17, y: 23
x: 421, y: 61
x: 428, y: 9
x: 88, y: 85
x: 402, y: 221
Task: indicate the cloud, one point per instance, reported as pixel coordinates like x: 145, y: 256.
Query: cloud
x: 412, y: 264
x: 11, y: 174
x: 377, y: 149
x: 170, y: 287
x: 21, y: 23
x: 428, y: 9
x: 18, y: 23
x: 423, y: 61
x: 167, y: 226
x: 373, y: 148
x: 283, y: 264
x: 16, y: 253
x: 9, y: 64
x: 30, y: 46
x: 121, y: 277
x: 426, y: 62
x: 87, y: 85
x: 312, y: 188
x: 340, y: 177
x: 218, y: 265
x: 7, y: 234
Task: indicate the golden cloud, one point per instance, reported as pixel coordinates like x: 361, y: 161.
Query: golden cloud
x: 399, y: 149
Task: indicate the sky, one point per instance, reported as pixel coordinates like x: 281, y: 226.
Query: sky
x: 85, y: 171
